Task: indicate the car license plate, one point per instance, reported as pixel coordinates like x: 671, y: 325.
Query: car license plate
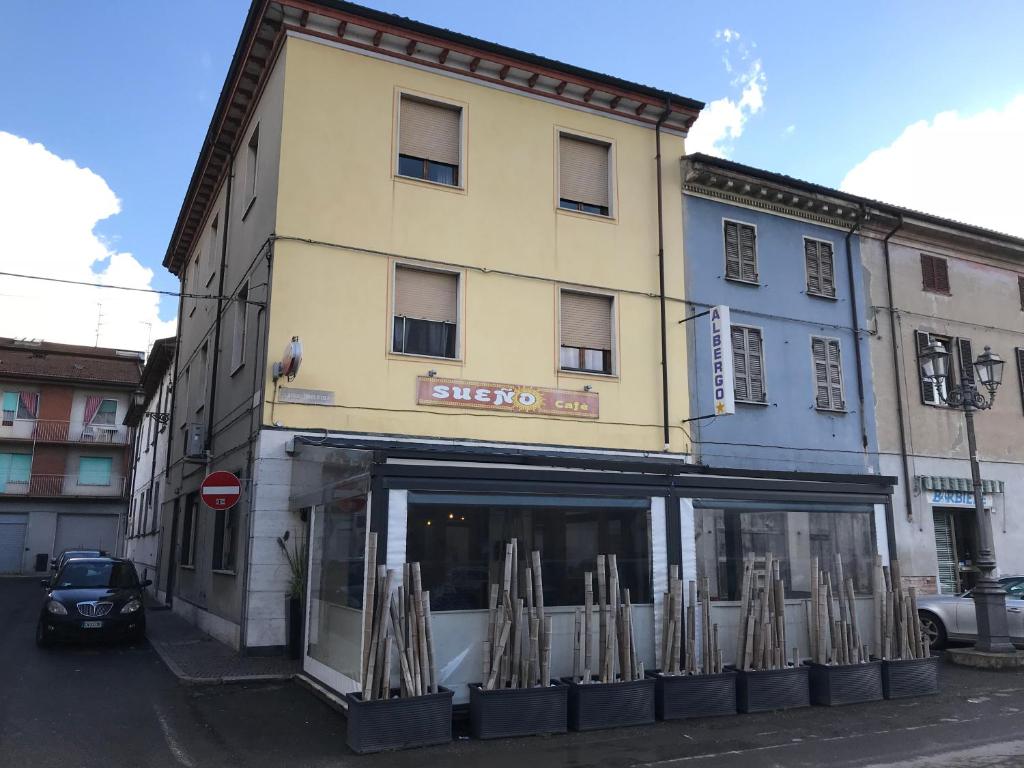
x: 92, y: 624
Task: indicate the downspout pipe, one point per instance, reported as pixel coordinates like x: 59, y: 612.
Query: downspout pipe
x: 855, y: 326
x: 220, y: 307
x: 172, y: 406
x: 661, y: 278
x: 908, y: 499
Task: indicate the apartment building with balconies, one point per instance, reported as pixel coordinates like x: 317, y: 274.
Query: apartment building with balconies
x: 64, y: 450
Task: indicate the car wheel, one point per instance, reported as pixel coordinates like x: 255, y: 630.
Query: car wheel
x: 933, y: 629
x: 42, y: 640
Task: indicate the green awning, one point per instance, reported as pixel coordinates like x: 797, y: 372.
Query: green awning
x: 940, y: 483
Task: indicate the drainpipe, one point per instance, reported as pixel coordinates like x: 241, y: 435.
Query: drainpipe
x: 168, y: 597
x: 661, y: 278
x: 896, y: 370
x: 855, y: 325
x: 220, y: 306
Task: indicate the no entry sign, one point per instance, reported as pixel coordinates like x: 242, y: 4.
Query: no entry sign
x: 220, y: 490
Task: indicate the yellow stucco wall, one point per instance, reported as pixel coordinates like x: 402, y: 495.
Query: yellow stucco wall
x: 503, y: 231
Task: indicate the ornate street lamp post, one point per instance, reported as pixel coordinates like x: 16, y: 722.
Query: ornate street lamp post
x: 989, y: 597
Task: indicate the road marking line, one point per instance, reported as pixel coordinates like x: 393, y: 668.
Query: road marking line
x: 177, y: 750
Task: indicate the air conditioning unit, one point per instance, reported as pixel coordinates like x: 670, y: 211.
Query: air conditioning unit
x: 195, y: 443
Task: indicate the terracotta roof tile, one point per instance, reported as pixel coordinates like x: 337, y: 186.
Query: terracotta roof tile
x: 69, y: 362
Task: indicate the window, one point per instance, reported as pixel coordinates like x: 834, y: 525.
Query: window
x: 184, y: 396
x: 156, y: 508
x: 459, y: 538
x: 429, y: 139
x: 748, y: 364
x: 821, y: 278
x: 932, y: 393
x: 204, y: 365
x: 1020, y: 290
x: 740, y: 252
x: 15, y: 469
x: 94, y: 470
x: 586, y: 332
x: 10, y: 408
x: 584, y: 180
x: 828, y: 374
x: 252, y: 165
x: 106, y: 412
x: 238, y: 330
x: 20, y: 405
x: 224, y: 540
x: 189, y: 523
x: 426, y: 312
x: 934, y: 274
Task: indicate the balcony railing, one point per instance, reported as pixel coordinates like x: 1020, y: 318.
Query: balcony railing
x: 48, y: 431
x: 51, y: 486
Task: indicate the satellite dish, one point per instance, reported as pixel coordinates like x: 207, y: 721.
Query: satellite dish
x: 290, y: 360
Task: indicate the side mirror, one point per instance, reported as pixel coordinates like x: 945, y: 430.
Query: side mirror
x: 146, y: 583
x: 53, y: 562
x: 45, y: 583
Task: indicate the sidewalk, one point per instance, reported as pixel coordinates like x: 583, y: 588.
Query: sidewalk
x: 196, y: 658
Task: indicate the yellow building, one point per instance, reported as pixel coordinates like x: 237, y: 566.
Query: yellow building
x: 477, y: 255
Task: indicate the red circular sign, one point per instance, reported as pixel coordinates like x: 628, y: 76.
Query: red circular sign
x: 220, y: 490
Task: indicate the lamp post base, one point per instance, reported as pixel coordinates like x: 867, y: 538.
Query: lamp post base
x: 990, y: 612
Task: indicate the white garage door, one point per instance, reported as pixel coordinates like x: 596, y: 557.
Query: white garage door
x: 85, y: 532
x: 12, y: 542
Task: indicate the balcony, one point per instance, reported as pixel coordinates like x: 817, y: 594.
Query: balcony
x: 62, y: 486
x: 46, y: 431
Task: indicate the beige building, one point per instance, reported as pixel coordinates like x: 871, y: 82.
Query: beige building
x: 930, y: 279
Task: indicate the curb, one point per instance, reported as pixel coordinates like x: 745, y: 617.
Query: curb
x: 179, y: 673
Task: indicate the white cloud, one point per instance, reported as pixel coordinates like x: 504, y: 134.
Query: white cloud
x: 962, y: 167
x: 722, y: 121
x: 49, y: 208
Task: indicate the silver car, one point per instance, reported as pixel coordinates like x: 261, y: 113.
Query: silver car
x: 951, y: 617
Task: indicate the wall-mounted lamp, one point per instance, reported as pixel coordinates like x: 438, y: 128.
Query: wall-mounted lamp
x: 431, y: 373
x: 587, y: 387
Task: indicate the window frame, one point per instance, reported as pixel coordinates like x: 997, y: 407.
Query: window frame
x: 461, y: 173
x: 252, y: 168
x: 460, y: 277
x: 99, y: 409
x: 834, y: 296
x: 764, y: 369
x: 926, y: 257
x: 189, y: 525
x: 613, y: 209
x: 110, y: 471
x: 186, y: 377
x: 949, y: 342
x: 239, y: 327
x: 225, y: 526
x: 842, y: 375
x: 725, y: 256
x: 613, y: 353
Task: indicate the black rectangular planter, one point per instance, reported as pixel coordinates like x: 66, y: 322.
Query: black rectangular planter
x: 680, y: 696
x: 910, y: 677
x: 610, y: 705
x: 771, y: 689
x: 832, y: 685
x: 399, y: 723
x: 506, y: 712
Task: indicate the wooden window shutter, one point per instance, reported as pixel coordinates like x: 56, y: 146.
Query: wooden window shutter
x: 424, y: 295
x: 819, y: 354
x: 741, y: 378
x: 583, y: 171
x: 941, y: 275
x: 827, y: 268
x: 966, y: 356
x: 748, y: 253
x: 1020, y: 371
x: 811, y: 262
x: 928, y: 393
x: 1020, y: 289
x: 835, y: 376
x: 586, y: 320
x: 755, y: 356
x: 732, y: 250
x: 927, y: 272
x: 428, y: 130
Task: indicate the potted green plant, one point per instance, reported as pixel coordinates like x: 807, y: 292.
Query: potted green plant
x: 296, y: 557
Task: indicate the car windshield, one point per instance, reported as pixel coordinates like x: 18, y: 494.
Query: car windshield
x: 85, y: 574
x: 80, y: 553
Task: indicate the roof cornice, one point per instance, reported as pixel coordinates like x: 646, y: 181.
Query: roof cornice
x: 406, y: 41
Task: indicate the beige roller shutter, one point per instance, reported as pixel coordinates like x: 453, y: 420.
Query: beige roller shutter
x: 424, y: 295
x: 583, y: 170
x: 429, y: 130
x: 586, y: 321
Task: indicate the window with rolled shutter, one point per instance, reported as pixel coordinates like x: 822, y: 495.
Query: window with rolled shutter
x: 748, y: 364
x: 740, y: 252
x: 584, y: 180
x: 586, y: 332
x: 429, y: 140
x: 828, y: 374
x: 934, y: 273
x: 818, y: 259
x: 426, y: 312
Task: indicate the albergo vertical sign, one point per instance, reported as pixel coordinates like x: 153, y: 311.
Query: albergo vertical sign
x: 721, y: 361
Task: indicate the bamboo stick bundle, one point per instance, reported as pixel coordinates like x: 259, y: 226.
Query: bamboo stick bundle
x: 545, y: 666
x: 812, y: 622
x: 534, y: 652
x: 602, y: 616
x: 741, y: 635
x: 577, y: 670
x: 429, y: 633
x: 691, y: 630
x: 588, y: 629
x: 369, y: 595
x: 538, y: 600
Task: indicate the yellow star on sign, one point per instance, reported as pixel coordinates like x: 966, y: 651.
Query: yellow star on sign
x: 720, y: 408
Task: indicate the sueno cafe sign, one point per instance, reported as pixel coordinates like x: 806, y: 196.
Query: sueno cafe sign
x: 721, y: 361
x: 512, y: 398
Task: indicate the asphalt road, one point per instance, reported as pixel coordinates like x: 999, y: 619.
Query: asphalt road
x: 118, y: 705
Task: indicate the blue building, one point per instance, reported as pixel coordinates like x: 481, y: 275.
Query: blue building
x: 784, y: 256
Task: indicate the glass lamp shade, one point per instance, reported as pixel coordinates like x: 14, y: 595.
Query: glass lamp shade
x: 935, y: 360
x: 989, y: 367
x: 139, y: 398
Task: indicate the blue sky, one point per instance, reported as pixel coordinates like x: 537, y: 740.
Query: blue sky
x: 127, y: 89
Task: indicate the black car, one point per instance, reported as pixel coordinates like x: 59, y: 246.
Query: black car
x: 93, y: 598
x: 57, y: 562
